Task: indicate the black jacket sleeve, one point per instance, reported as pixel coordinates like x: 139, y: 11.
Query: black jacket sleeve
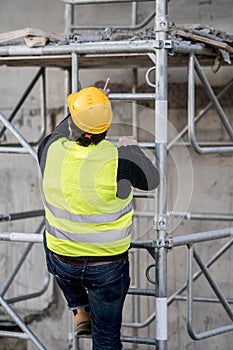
x: 62, y: 130
x: 135, y: 169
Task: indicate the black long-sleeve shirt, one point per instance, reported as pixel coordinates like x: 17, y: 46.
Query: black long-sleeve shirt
x: 135, y: 169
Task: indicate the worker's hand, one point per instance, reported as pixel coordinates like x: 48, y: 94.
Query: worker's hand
x: 127, y: 141
x: 106, y: 92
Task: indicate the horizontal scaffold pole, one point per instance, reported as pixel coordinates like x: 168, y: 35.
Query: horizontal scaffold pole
x: 21, y: 237
x: 103, y: 47
x: 201, y: 237
x: 94, y: 2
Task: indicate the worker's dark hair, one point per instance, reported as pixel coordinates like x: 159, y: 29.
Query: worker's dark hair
x: 84, y: 138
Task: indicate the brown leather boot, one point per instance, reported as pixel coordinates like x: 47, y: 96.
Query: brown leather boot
x: 82, y: 321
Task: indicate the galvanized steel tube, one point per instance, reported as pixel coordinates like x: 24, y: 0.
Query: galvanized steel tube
x: 212, y: 332
x: 94, y: 2
x: 75, y: 72
x: 21, y: 237
x: 191, y: 114
x: 201, y: 237
x: 20, y: 138
x: 21, y: 324
x: 101, y: 47
x: 23, y: 98
x: 161, y: 114
x: 143, y: 96
x: 213, y: 98
x: 137, y: 26
x: 200, y: 115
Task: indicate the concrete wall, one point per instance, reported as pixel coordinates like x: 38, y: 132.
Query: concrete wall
x: 195, y: 183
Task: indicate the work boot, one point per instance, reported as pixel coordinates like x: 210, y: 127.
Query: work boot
x: 82, y: 321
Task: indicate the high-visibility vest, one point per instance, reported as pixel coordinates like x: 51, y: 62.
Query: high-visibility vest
x: 84, y: 217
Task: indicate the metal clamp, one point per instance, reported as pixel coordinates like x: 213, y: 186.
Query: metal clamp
x: 160, y: 44
x: 162, y: 23
x: 164, y: 243
x: 168, y: 44
x: 6, y: 217
x: 161, y: 223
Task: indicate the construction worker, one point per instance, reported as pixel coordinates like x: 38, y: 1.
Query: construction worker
x: 86, y: 189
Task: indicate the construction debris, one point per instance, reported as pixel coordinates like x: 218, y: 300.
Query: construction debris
x: 219, y: 41
x: 33, y: 37
x: 210, y: 37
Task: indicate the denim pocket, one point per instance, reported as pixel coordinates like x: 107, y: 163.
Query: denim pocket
x: 106, y: 281
x: 63, y: 271
x: 112, y: 283
x: 115, y: 289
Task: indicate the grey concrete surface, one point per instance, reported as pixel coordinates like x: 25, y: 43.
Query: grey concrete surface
x: 195, y: 183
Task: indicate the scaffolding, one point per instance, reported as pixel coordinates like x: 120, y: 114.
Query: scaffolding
x: 153, y: 54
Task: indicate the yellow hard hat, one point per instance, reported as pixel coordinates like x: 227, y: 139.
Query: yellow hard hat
x: 90, y: 110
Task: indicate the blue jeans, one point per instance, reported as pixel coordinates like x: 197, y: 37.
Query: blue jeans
x: 103, y: 288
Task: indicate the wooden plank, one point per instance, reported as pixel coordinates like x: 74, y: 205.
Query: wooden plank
x: 214, y: 43
x: 16, y: 35
x: 35, y: 41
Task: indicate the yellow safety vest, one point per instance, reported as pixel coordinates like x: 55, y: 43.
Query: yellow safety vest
x: 84, y: 217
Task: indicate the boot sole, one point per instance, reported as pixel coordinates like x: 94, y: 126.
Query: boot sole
x: 83, y: 329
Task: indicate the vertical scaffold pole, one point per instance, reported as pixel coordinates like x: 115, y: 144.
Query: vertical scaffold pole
x: 75, y: 72
x: 161, y: 110
x: 74, y: 87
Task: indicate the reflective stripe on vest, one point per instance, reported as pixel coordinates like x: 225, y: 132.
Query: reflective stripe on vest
x: 82, y: 209
x: 90, y: 237
x: 92, y: 219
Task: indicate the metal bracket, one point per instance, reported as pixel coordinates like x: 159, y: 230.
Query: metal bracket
x: 161, y: 223
x: 169, y: 243
x: 168, y: 44
x: 162, y: 23
x: 164, y: 44
x: 164, y: 243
